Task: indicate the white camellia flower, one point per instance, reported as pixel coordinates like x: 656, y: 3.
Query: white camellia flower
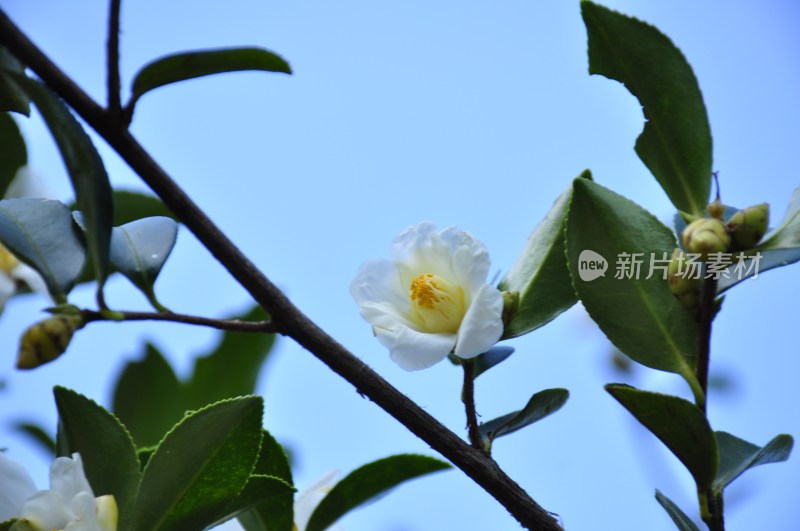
x: 431, y: 298
x: 69, y: 505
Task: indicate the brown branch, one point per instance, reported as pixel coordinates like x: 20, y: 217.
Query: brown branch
x: 468, y: 397
x: 232, y: 325
x: 288, y: 319
x: 112, y: 66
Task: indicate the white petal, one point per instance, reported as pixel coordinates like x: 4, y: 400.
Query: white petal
x: 46, y: 510
x: 470, y: 258
x: 32, y: 278
x: 379, y: 281
x: 7, y: 288
x: 307, y: 501
x: 482, y: 325
x: 411, y: 239
x: 28, y: 183
x: 84, y: 509
x: 414, y: 350
x: 67, y: 477
x: 16, y: 485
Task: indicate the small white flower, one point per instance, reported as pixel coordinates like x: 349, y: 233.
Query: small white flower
x: 69, y: 505
x: 307, y: 501
x: 431, y: 298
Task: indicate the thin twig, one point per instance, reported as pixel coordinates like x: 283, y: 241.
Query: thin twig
x: 468, y: 397
x: 114, y: 84
x: 233, y: 325
x: 290, y: 320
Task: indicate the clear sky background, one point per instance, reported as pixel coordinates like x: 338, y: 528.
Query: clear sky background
x: 468, y: 113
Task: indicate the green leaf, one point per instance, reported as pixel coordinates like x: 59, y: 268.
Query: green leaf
x: 6, y: 526
x: 272, y: 460
x: 200, y: 467
x: 676, y: 142
x: 38, y: 435
x: 148, y: 398
x: 487, y: 360
x: 367, y: 482
x: 140, y: 248
x: 13, y: 153
x: 540, y: 274
x: 541, y: 405
x: 787, y: 234
x: 107, y: 451
x: 266, y: 503
x: 232, y: 368
x: 679, y: 424
x: 639, y: 315
x: 41, y: 233
x: 683, y: 522
x: 130, y: 206
x: 86, y: 171
x: 12, y: 97
x: 736, y: 456
x: 189, y: 65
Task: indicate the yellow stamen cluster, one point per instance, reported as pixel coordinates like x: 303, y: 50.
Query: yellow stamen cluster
x: 437, y: 305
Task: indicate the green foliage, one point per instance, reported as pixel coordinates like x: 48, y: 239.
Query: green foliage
x: 676, y: 142
x: 6, y: 526
x: 140, y: 248
x: 483, y: 362
x: 86, y: 171
x: 13, y: 153
x: 200, y: 467
x: 787, y: 235
x: 130, y: 206
x: 368, y: 482
x: 540, y: 405
x: 639, y: 315
x: 271, y: 500
x: 737, y: 456
x: 108, y: 454
x: 189, y: 65
x: 42, y: 234
x: 679, y: 424
x: 38, y: 435
x: 12, y: 97
x: 540, y: 274
x: 683, y: 522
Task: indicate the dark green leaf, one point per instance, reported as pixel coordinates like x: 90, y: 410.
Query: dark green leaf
x: 489, y: 359
x: 683, y: 522
x: 38, y: 435
x: 541, y: 405
x: 679, y: 424
x: 189, y: 65
x: 639, y: 315
x: 108, y: 454
x: 130, y: 206
x: 676, y: 142
x: 232, y: 368
x: 200, y: 467
x: 266, y: 503
x: 140, y: 248
x: 12, y: 97
x: 736, y: 456
x: 41, y: 233
x: 272, y: 460
x: 85, y: 168
x: 6, y: 526
x: 540, y: 274
x: 148, y: 398
x: 367, y: 482
x: 13, y: 153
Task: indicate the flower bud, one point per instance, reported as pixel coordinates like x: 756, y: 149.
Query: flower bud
x: 748, y: 226
x: 687, y: 289
x: 510, y: 305
x: 704, y: 236
x: 46, y: 340
x: 716, y: 209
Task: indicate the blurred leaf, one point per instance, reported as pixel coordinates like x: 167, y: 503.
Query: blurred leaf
x: 540, y: 274
x: 368, y: 482
x: 40, y: 232
x: 736, y: 456
x: 107, y: 451
x: 140, y: 248
x: 200, y: 467
x: 38, y: 435
x: 148, y: 398
x: 130, y: 206
x: 683, y: 522
x: 6, y: 526
x: 541, y: 405
x: 274, y: 499
x: 189, y: 65
x: 85, y: 168
x: 13, y: 153
x: 232, y: 368
x: 676, y: 142
x: 787, y: 234
x: 639, y: 315
x: 12, y: 97
x: 679, y: 424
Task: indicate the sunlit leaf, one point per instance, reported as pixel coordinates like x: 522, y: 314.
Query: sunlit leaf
x: 368, y: 482
x: 676, y: 142
x: 541, y: 405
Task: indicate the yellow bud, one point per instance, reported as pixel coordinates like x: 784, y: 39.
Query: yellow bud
x: 748, y: 226
x: 716, y: 209
x: 706, y: 235
x: 46, y: 340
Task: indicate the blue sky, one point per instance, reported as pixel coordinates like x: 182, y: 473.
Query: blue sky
x: 469, y: 114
